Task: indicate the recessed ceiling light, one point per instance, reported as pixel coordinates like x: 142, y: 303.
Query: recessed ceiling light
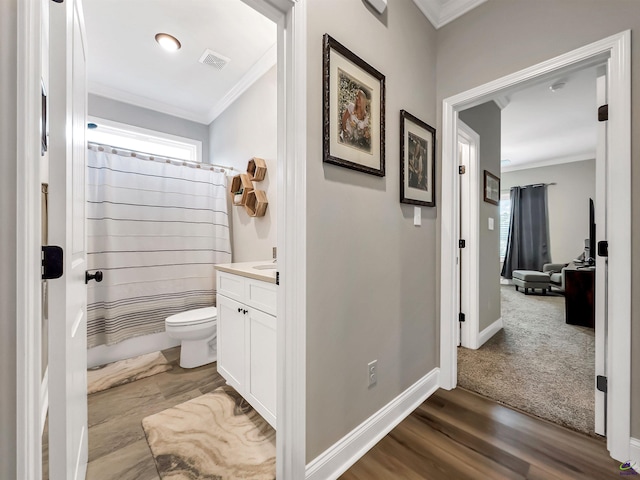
x: 168, y: 42
x: 557, y: 86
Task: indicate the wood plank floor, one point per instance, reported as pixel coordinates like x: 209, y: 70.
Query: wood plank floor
x: 460, y: 435
x: 453, y: 435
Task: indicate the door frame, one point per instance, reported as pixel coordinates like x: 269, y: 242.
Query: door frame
x: 470, y: 231
x: 28, y: 243
x: 616, y: 52
x: 290, y: 17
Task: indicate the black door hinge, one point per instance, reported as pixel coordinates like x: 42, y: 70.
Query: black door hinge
x: 461, y: 317
x: 603, y: 248
x: 603, y: 113
x: 601, y: 383
x: 52, y: 262
x: 462, y: 244
x: 277, y: 278
x: 462, y: 170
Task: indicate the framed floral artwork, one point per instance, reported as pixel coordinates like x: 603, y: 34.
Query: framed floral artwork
x: 353, y: 113
x: 417, y: 161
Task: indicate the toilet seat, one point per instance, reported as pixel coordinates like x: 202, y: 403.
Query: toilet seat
x: 197, y: 316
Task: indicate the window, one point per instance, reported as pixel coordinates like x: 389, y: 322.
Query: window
x: 505, y: 219
x: 142, y: 140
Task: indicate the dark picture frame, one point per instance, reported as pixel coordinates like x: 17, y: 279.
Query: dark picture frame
x: 491, y: 188
x: 417, y: 161
x: 353, y: 95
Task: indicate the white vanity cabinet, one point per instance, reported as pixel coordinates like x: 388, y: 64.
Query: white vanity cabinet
x: 247, y: 339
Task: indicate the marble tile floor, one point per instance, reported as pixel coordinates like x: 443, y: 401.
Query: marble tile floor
x: 118, y: 449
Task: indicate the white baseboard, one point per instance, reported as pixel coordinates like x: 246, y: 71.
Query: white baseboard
x: 490, y: 331
x: 44, y: 399
x: 634, y: 453
x: 342, y: 455
x: 133, y: 347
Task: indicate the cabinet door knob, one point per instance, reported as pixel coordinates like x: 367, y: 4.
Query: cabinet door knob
x: 239, y: 310
x: 245, y: 311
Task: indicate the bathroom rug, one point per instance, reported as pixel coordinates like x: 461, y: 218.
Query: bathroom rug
x: 215, y: 436
x: 126, y: 371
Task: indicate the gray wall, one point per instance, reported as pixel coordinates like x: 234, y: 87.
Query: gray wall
x: 145, y: 118
x: 371, y: 274
x: 485, y: 121
x: 256, y: 111
x: 8, y: 95
x: 568, y: 202
x: 503, y: 36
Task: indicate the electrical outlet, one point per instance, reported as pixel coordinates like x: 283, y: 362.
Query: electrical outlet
x: 372, y: 372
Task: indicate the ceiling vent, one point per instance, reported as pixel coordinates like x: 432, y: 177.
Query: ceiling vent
x: 213, y: 59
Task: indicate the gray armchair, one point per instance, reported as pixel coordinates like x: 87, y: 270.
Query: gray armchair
x: 556, y: 274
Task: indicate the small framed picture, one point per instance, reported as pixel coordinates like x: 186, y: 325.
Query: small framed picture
x: 491, y: 188
x: 417, y: 165
x: 353, y: 110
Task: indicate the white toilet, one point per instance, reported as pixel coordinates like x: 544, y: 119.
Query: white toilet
x: 197, y: 331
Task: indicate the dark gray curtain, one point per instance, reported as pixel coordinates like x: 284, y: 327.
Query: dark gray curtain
x: 528, y: 240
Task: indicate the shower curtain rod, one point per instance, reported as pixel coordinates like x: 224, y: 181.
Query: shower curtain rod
x: 152, y: 157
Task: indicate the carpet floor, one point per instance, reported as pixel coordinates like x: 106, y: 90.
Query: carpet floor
x: 537, y: 363
x: 215, y: 436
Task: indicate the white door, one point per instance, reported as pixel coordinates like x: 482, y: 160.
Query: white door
x: 68, y: 295
x: 468, y: 260
x: 601, y: 262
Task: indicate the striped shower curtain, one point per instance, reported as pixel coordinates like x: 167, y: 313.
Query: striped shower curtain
x: 155, y: 230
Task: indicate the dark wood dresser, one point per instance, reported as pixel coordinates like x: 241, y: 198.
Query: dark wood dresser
x: 579, y: 294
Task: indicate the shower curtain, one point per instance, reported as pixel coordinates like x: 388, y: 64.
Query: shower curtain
x: 155, y: 230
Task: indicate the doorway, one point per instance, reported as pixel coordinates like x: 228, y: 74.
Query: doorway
x: 291, y: 145
x: 617, y: 223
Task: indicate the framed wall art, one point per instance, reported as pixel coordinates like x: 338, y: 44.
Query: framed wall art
x: 353, y: 110
x: 417, y: 165
x: 491, y: 188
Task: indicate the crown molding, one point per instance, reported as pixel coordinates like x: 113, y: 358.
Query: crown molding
x: 441, y: 12
x: 548, y: 162
x: 262, y: 66
x: 502, y: 101
x: 144, y: 102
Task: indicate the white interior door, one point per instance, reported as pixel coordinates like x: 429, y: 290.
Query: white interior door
x: 601, y: 262
x: 468, y: 158
x: 68, y: 444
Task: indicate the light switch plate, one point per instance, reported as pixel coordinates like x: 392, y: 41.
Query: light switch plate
x: 490, y: 223
x: 417, y: 216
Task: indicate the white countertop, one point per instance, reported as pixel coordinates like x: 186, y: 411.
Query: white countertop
x: 248, y: 269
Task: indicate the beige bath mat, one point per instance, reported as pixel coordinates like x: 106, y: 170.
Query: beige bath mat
x: 215, y: 436
x: 126, y: 371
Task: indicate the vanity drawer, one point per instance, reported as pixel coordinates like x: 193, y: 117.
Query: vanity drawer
x: 261, y: 295
x: 231, y: 286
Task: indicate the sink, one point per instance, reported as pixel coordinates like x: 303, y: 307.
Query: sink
x: 268, y: 266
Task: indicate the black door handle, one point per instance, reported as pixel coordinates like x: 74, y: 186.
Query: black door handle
x: 93, y: 276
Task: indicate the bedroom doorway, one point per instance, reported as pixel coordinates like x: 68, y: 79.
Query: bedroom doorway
x: 541, y: 147
x: 607, y: 52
